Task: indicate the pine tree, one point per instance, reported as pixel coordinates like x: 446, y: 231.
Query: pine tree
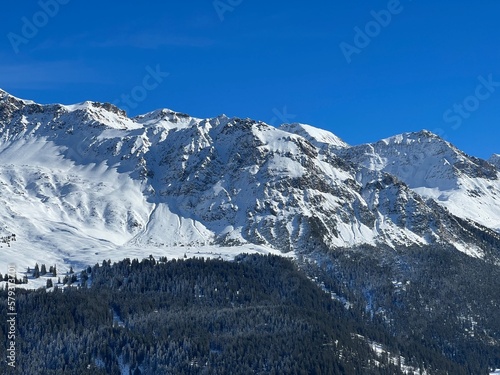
x: 54, y: 271
x: 49, y: 283
x: 36, y: 272
x: 43, y: 270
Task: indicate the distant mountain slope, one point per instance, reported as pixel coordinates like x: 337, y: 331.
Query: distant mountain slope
x: 495, y: 160
x: 404, y: 230
x: 467, y: 186
x: 317, y: 137
x: 82, y: 182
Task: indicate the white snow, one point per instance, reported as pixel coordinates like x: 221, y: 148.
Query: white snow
x: 314, y: 135
x: 495, y: 160
x: 380, y: 351
x: 83, y: 183
x: 435, y: 169
x: 469, y: 249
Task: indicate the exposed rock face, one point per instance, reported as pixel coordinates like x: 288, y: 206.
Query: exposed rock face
x: 94, y: 177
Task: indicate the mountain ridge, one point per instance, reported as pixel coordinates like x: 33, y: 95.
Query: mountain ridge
x: 165, y: 181
x: 403, y: 231
x: 468, y: 186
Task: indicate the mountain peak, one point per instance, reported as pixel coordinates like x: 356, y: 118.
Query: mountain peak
x: 5, y: 95
x: 467, y: 186
x: 90, y: 105
x: 168, y: 179
x: 167, y: 119
x: 316, y: 136
x: 495, y: 160
x: 427, y: 133
x: 408, y: 138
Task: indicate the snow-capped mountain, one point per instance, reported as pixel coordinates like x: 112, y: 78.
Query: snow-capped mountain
x: 467, y: 186
x: 318, y: 137
x: 84, y: 182
x: 495, y: 160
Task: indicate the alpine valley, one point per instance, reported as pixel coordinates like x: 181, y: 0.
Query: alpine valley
x: 401, y: 236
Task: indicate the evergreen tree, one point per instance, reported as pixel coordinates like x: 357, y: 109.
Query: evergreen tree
x: 257, y: 315
x: 36, y: 272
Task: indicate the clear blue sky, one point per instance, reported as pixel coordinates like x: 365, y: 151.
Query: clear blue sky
x: 268, y: 61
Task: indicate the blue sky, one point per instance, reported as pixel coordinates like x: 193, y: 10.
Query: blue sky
x: 364, y: 70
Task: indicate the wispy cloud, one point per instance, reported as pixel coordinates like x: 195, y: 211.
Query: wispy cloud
x: 67, y: 42
x: 46, y: 74
x: 143, y: 40
x: 154, y: 40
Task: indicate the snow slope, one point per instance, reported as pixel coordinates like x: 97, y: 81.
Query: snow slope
x: 467, y: 186
x: 495, y: 160
x: 82, y: 183
x: 318, y: 137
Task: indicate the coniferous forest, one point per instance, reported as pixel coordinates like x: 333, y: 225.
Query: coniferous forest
x: 256, y: 315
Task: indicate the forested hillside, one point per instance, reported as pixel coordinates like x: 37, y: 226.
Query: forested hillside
x: 433, y: 295
x: 256, y: 315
